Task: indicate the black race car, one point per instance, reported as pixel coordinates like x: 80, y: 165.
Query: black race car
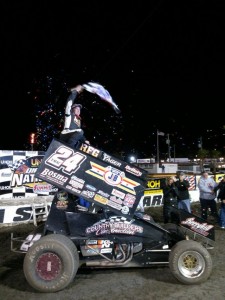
x: 116, y: 234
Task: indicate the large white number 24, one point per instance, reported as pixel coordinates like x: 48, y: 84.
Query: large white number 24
x: 65, y: 158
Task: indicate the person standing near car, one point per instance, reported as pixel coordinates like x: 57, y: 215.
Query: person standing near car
x: 207, y: 187
x: 221, y: 197
x: 183, y: 185
x: 170, y: 194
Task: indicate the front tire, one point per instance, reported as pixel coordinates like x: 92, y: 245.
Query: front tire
x: 190, y: 262
x: 51, y: 263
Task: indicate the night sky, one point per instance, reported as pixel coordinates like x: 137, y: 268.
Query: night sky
x: 162, y: 62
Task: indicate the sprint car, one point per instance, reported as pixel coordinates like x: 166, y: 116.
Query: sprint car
x: 115, y: 234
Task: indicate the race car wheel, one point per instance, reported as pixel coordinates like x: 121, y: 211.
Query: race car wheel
x: 190, y: 262
x: 51, y: 263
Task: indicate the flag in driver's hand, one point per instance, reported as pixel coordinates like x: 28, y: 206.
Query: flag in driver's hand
x: 99, y: 90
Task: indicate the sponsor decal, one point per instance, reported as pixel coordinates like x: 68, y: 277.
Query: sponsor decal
x: 90, y: 150
x: 194, y: 225
x: 54, y: 176
x: 38, y: 188
x: 106, y: 250
x: 98, y: 246
x: 62, y: 202
x: 92, y: 242
x: 76, y: 184
x: 110, y: 160
x: 88, y: 194
x: 118, y: 193
x: 114, y: 227
x: 101, y: 199
x: 99, y: 243
x: 100, y: 192
x: 129, y: 200
x: 133, y: 170
x: 117, y: 200
x: 77, y: 179
x: 113, y: 177
x: 114, y: 205
x: 69, y: 187
x: 90, y: 187
x: 125, y: 210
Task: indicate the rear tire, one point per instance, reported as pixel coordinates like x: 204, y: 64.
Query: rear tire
x: 51, y: 263
x: 190, y: 262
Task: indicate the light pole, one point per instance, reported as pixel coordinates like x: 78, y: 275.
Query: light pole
x: 200, y: 143
x: 157, y: 143
x: 174, y: 152
x: 157, y: 147
x: 168, y: 143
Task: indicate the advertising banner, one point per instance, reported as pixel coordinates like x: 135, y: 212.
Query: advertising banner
x: 17, y: 175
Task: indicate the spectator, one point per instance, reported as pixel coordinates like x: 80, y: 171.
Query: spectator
x: 170, y: 193
x: 207, y: 187
x: 183, y: 185
x: 221, y: 196
x: 72, y: 133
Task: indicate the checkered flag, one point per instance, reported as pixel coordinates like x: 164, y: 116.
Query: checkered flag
x: 99, y: 90
x: 17, y: 164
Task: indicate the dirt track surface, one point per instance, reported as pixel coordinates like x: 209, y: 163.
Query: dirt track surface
x: 152, y: 283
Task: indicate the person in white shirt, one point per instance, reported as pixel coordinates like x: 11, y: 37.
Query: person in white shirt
x: 207, y: 196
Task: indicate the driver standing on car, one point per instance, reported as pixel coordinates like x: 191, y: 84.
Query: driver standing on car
x: 72, y: 134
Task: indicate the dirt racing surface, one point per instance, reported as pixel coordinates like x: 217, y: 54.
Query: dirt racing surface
x: 151, y: 283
